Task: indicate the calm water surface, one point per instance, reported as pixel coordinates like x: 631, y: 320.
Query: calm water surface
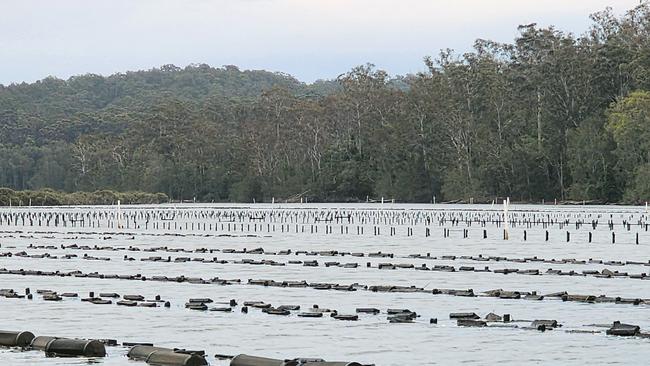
x: 371, y: 339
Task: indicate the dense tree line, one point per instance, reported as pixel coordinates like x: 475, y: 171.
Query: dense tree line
x: 550, y: 116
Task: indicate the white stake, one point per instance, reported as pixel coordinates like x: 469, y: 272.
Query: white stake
x: 506, y: 206
x: 119, y: 215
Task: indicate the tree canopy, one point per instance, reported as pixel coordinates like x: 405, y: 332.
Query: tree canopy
x: 550, y: 116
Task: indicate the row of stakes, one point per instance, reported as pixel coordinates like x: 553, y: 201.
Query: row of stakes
x: 342, y: 229
x: 25, y: 220
x: 142, y: 217
x: 385, y: 216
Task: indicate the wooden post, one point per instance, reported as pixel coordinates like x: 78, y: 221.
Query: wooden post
x: 506, y: 204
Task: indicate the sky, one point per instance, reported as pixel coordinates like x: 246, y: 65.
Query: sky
x: 309, y: 39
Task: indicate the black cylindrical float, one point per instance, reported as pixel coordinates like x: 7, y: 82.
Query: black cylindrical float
x: 165, y: 356
x: 15, y: 339
x: 74, y: 347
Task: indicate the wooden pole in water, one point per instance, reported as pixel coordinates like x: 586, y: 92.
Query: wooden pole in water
x: 506, y: 203
x: 119, y: 215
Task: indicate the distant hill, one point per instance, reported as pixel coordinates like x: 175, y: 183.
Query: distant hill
x: 32, y: 110
x: 196, y: 81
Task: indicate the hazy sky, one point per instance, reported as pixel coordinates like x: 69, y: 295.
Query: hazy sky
x: 309, y: 39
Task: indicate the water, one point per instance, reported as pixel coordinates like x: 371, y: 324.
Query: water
x: 371, y: 339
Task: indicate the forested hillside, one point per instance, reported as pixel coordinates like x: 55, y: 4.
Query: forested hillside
x: 551, y: 116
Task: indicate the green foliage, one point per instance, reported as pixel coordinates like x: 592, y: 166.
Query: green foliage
x: 638, y: 190
x: 591, y: 162
x: 345, y: 175
x: 629, y: 124
x: 549, y: 116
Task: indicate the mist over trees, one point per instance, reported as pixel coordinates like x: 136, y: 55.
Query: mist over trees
x: 551, y: 116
